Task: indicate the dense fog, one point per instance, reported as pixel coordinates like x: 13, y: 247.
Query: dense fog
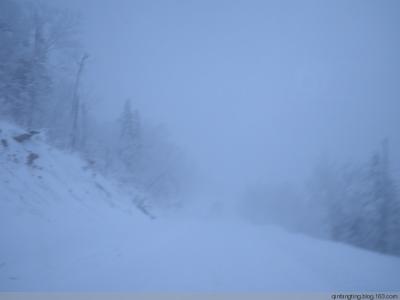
x: 262, y: 113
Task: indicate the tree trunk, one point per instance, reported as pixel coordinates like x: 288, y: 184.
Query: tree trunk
x: 76, y: 103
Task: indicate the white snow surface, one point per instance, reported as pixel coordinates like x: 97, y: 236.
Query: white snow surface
x: 64, y: 228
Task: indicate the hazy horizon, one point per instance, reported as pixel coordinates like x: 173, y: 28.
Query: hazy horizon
x: 252, y: 91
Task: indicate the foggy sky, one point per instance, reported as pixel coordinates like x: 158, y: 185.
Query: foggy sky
x: 252, y: 90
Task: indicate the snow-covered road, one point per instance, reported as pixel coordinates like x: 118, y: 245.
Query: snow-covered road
x: 114, y: 252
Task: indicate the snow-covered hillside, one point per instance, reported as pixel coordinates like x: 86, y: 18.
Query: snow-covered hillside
x: 36, y: 178
x: 64, y: 228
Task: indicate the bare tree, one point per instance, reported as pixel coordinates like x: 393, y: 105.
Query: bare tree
x: 76, y: 105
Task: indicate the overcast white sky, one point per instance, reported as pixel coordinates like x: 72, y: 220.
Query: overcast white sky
x: 252, y: 90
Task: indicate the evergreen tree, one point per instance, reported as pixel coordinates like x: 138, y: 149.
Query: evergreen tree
x: 383, y: 199
x: 31, y: 34
x: 129, y: 144
x: 326, y: 194
x: 360, y: 203
x: 14, y: 62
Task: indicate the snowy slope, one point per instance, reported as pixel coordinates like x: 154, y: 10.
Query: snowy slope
x: 63, y: 228
x: 36, y: 178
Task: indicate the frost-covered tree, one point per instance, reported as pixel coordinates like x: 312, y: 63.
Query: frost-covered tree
x: 325, y: 188
x: 384, y: 200
x: 360, y: 203
x: 14, y: 57
x: 33, y: 36
x: 129, y: 142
